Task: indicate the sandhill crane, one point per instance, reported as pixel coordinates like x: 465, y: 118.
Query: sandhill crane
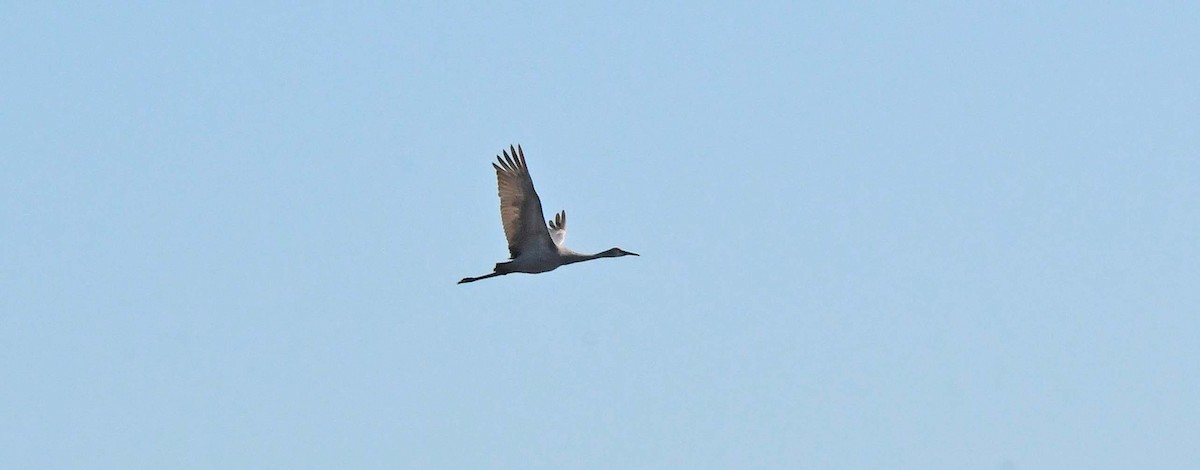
x: 534, y: 248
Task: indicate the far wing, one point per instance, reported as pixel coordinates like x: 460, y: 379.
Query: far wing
x: 558, y: 228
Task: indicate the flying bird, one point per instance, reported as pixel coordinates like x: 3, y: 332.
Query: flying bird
x: 532, y: 246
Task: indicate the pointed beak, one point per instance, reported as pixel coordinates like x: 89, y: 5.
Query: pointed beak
x: 632, y: 253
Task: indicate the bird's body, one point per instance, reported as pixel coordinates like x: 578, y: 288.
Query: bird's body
x: 533, y: 246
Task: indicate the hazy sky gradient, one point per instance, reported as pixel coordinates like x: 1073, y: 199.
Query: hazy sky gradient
x: 931, y: 235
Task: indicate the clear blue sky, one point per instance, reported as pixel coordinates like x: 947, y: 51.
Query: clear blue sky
x: 873, y: 236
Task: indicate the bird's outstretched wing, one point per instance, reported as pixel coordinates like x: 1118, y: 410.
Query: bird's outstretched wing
x: 520, y: 208
x: 558, y: 228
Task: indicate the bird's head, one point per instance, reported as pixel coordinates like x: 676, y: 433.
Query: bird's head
x: 615, y: 252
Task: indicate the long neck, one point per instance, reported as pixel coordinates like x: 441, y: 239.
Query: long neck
x: 569, y: 257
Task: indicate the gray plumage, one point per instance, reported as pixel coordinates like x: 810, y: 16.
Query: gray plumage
x: 533, y: 247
